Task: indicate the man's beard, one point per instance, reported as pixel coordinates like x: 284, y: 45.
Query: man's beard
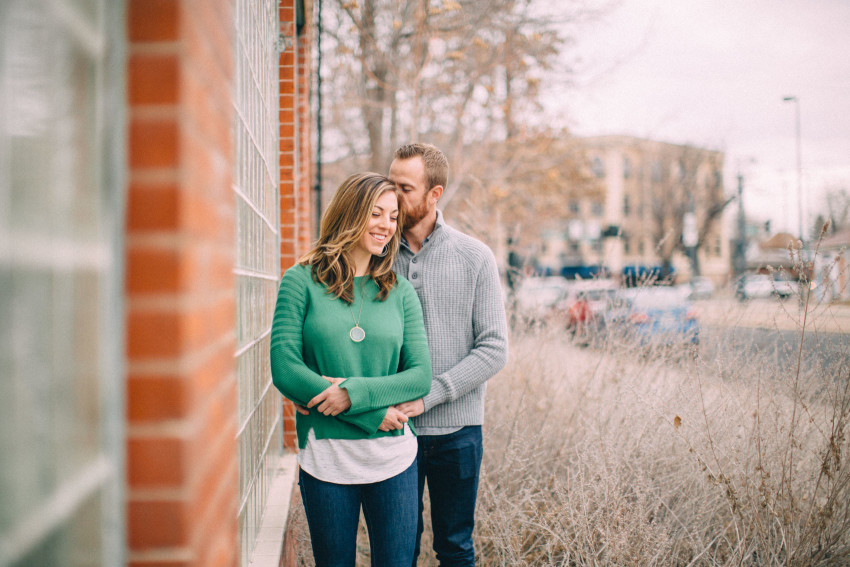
x: 416, y: 213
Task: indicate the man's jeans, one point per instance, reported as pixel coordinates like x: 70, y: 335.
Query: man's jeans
x: 333, y: 512
x: 451, y: 464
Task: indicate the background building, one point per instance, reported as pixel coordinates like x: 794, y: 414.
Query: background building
x: 657, y: 208
x: 155, y: 179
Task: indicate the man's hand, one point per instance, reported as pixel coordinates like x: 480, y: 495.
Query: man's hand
x: 333, y: 400
x: 301, y: 409
x: 412, y: 409
x: 395, y: 419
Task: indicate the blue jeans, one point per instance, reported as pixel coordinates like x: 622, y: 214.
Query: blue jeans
x: 450, y: 464
x: 333, y: 513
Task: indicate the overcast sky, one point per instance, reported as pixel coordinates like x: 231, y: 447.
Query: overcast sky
x: 713, y: 73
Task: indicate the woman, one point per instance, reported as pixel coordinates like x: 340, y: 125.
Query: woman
x: 348, y: 343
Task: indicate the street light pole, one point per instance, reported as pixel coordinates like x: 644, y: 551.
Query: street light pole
x: 796, y: 102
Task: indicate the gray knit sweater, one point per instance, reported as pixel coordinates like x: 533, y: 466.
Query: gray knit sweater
x: 458, y: 285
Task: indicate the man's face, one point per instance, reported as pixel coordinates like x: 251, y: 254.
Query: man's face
x: 409, y: 177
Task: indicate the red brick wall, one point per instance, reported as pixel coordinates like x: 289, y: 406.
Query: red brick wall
x: 296, y: 172
x: 297, y: 202
x: 181, y: 411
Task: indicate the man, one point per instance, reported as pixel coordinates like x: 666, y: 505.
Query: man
x: 458, y: 285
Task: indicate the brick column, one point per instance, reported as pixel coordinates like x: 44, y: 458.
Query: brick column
x: 181, y: 450
x: 296, y: 230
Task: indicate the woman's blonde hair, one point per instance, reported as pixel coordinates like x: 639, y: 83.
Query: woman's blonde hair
x: 343, y: 225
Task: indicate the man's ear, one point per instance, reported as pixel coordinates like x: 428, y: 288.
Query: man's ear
x: 435, y: 193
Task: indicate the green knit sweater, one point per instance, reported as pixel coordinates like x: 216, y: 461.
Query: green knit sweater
x: 309, y: 339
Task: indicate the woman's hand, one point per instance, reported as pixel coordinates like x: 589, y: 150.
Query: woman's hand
x: 333, y: 400
x: 395, y: 419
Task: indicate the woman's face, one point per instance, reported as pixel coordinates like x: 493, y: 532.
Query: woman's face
x: 382, y: 224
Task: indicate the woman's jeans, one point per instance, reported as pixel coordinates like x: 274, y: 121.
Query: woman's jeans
x: 333, y: 513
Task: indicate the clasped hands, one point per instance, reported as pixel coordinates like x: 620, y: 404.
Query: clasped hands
x: 334, y: 400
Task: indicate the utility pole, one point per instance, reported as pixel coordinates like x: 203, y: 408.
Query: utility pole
x: 801, y: 234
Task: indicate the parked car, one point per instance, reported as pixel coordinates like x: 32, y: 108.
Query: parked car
x: 754, y: 286
x: 701, y: 287
x: 652, y: 316
x: 784, y: 286
x: 582, y: 303
x: 761, y: 286
x: 535, y: 297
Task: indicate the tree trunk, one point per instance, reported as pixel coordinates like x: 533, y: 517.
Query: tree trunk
x: 510, y: 130
x: 374, y: 102
x: 695, y: 267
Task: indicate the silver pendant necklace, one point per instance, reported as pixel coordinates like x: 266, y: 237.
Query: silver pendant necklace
x: 357, y: 333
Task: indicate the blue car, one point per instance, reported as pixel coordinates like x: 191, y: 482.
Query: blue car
x: 652, y: 316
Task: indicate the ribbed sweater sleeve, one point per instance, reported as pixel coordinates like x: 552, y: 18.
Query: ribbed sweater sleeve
x: 290, y: 374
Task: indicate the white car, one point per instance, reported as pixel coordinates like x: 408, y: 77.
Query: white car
x: 536, y: 296
x: 784, y: 287
x: 701, y: 287
x: 761, y: 286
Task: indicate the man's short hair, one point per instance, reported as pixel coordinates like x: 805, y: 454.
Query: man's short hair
x: 436, y: 164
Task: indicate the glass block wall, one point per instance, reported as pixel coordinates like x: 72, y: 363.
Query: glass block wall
x: 258, y: 251
x: 61, y: 252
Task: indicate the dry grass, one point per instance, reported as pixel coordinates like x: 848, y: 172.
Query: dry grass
x: 606, y: 456
x: 610, y: 457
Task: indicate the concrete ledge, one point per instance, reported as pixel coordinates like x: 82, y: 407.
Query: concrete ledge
x: 269, y: 547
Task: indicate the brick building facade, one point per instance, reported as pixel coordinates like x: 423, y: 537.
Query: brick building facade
x: 189, y: 149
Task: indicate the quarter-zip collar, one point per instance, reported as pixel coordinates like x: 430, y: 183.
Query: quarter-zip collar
x: 434, y: 233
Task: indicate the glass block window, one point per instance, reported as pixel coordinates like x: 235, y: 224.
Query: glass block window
x: 61, y: 256
x: 257, y: 271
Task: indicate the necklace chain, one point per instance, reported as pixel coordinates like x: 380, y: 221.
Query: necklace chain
x: 357, y: 333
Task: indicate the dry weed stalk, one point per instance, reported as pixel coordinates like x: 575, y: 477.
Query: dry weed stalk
x: 607, y: 456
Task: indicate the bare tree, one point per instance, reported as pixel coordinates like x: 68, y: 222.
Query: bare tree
x: 467, y: 76
x: 685, y: 180
x: 838, y: 208
x: 448, y: 72
x: 521, y: 187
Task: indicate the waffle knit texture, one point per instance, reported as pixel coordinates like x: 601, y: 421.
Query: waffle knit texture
x: 309, y: 339
x: 457, y: 281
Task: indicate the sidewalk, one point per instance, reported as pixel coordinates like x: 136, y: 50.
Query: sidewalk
x: 786, y: 315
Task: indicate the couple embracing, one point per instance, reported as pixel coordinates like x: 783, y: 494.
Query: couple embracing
x: 384, y: 336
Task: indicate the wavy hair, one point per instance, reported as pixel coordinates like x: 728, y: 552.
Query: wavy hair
x: 343, y: 225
